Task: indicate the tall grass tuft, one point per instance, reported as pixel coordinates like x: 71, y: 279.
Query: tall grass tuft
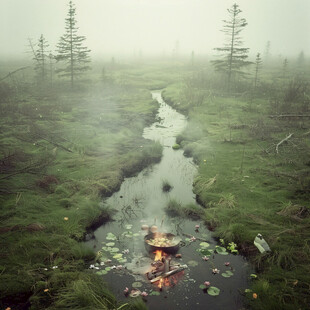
x: 227, y: 201
x: 85, y: 293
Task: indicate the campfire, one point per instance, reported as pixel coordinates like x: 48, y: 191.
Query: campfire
x: 164, y: 273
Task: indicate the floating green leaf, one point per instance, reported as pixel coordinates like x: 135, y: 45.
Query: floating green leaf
x: 247, y: 290
x: 103, y: 258
x: 253, y: 275
x: 101, y: 272
x: 110, y: 244
x: 227, y: 274
x: 114, y: 250
x: 107, y: 269
x: 118, y: 256
x: 122, y: 260
x: 220, y: 250
x: 205, y: 252
x: 136, y: 284
x: 187, y: 239
x: 213, y: 291
x: 155, y: 293
x: 202, y: 286
x: 127, y: 234
x: 136, y: 235
x: 129, y: 226
x: 110, y: 236
x: 192, y: 263
x: 204, y: 244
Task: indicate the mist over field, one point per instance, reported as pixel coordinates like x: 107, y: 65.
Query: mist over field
x: 152, y: 27
x: 154, y: 154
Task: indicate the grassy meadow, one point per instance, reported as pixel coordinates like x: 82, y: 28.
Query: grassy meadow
x: 248, y: 182
x: 62, y: 151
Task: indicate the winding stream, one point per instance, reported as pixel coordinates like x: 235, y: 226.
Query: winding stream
x: 141, y: 200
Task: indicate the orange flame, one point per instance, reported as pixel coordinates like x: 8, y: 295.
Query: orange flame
x: 166, y: 281
x: 158, y: 255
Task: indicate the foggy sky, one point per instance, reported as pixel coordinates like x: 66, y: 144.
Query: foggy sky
x: 153, y: 26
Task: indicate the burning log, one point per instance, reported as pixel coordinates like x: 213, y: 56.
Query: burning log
x: 166, y: 264
x: 168, y: 274
x: 160, y: 266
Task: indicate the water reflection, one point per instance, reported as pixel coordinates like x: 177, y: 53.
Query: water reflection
x: 141, y: 200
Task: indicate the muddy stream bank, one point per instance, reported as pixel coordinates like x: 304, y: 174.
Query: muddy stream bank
x: 141, y: 201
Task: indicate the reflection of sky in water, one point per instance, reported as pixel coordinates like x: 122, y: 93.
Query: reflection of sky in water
x: 174, y: 168
x: 144, y: 195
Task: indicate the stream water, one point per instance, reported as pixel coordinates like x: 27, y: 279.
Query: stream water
x: 141, y: 200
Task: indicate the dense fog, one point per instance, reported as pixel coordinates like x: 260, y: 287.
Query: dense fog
x: 151, y: 27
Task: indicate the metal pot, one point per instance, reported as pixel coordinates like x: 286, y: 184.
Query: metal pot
x: 167, y: 249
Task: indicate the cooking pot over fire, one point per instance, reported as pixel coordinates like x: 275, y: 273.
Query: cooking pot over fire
x: 167, y: 242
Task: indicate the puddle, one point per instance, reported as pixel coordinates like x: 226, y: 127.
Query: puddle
x: 141, y: 201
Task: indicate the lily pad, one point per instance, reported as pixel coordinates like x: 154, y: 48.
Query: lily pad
x: 110, y: 236
x: 110, y: 244
x: 101, y: 272
x: 103, y: 258
x: 227, y: 274
x: 118, y: 256
x: 205, y: 252
x: 220, y: 250
x: 107, y: 269
x: 114, y: 250
x: 136, y: 235
x: 135, y: 293
x: 129, y: 226
x: 187, y: 239
x: 122, y: 260
x: 204, y: 244
x: 202, y: 286
x: 136, y: 284
x: 213, y: 291
x: 127, y: 234
x: 192, y: 263
x: 155, y: 293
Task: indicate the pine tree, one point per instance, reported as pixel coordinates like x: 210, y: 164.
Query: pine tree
x: 258, y: 66
x: 40, y: 56
x: 233, y: 54
x: 51, y: 66
x: 71, y: 50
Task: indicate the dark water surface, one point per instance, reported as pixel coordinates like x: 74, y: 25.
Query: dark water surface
x: 141, y: 200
